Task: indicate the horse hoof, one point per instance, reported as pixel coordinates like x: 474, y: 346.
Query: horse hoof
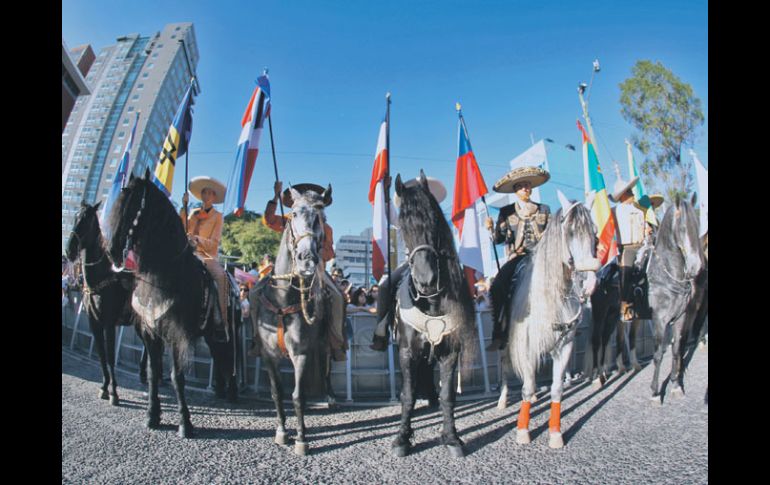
x: 300, y: 448
x: 702, y: 346
x: 331, y: 403
x: 501, y: 405
x: 114, y: 400
x: 153, y: 423
x: 555, y: 440
x: 185, y: 431
x: 522, y: 436
x: 281, y: 438
x: 401, y: 451
x: 677, y: 392
x: 656, y: 401
x: 596, y: 384
x: 637, y: 367
x: 456, y: 451
x: 104, y: 395
x: 621, y: 370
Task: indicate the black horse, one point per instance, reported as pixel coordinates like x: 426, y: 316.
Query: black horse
x: 434, y: 310
x: 175, y: 297
x: 291, y: 311
x: 676, y: 276
x: 106, y: 293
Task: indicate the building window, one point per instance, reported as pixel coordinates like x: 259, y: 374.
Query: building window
x: 113, y: 163
x: 173, y: 36
x: 140, y: 86
x: 121, y: 134
x: 130, y: 109
x: 146, y: 74
x: 117, y: 148
x: 135, y: 97
x: 125, y: 121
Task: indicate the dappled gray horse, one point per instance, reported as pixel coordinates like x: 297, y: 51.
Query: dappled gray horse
x: 291, y: 312
x: 677, y: 282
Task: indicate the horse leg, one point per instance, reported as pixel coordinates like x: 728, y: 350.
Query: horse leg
x: 527, y: 397
x: 154, y: 347
x: 401, y: 445
x: 298, y: 399
x: 448, y: 372
x: 331, y: 397
x: 560, y: 363
x: 597, y: 351
x: 143, y: 366
x: 677, y: 352
x: 114, y: 399
x: 97, y: 329
x: 657, y: 358
x: 276, y: 392
x: 505, y: 365
x: 177, y: 378
x: 620, y: 346
x: 635, y: 325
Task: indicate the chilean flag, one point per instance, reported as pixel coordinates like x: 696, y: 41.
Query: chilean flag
x: 377, y: 199
x: 252, y: 124
x: 469, y: 187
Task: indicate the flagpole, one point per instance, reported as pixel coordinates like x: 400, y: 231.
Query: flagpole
x: 387, y: 175
x: 483, y: 198
x: 186, y: 164
x: 584, y: 106
x: 272, y: 146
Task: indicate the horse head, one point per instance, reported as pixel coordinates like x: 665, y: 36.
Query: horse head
x: 420, y: 230
x: 85, y: 231
x: 683, y: 226
x: 306, y: 230
x: 579, y: 243
x: 125, y: 217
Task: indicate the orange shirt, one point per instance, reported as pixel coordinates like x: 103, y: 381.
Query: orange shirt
x: 276, y: 223
x: 208, y: 229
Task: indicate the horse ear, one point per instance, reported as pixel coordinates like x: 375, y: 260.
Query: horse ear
x: 83, y: 204
x: 327, y: 195
x: 423, y: 180
x: 147, y: 174
x: 399, y: 185
x: 295, y: 195
x: 96, y: 207
x: 694, y: 199
x: 131, y: 176
x: 565, y: 203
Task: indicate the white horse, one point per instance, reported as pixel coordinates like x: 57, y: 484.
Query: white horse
x: 546, y: 307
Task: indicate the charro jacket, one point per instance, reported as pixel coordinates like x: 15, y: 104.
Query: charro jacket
x: 521, y: 225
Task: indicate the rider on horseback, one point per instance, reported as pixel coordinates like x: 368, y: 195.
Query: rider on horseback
x: 520, y: 225
x: 275, y: 222
x: 204, y: 231
x: 631, y: 233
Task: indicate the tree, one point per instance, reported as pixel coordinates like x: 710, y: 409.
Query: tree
x: 667, y: 115
x: 248, y: 238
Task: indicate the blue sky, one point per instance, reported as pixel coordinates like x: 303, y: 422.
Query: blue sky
x: 514, y: 66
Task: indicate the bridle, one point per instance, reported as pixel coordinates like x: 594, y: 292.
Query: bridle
x: 439, y: 289
x: 305, y: 292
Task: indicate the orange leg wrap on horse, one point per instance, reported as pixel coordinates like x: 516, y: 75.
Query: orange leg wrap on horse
x: 554, y: 423
x: 524, y: 415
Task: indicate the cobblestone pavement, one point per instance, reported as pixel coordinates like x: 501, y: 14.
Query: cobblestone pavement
x: 613, y: 435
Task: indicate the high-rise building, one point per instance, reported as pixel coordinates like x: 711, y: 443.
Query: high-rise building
x: 145, y: 74
x: 353, y: 254
x: 75, y: 64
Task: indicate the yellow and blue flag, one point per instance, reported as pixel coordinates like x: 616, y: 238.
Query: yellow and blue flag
x: 175, y: 145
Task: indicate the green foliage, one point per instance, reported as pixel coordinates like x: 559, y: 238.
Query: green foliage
x: 248, y: 238
x: 667, y: 114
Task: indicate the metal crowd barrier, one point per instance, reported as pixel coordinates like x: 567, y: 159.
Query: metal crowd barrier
x: 366, y: 376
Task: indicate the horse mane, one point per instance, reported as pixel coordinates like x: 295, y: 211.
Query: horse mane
x: 422, y: 222
x: 538, y: 300
x: 161, y: 226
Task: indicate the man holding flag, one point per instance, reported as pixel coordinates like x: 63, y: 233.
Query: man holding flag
x: 520, y: 225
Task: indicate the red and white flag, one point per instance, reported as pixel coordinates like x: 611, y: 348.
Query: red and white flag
x: 469, y: 188
x: 377, y: 199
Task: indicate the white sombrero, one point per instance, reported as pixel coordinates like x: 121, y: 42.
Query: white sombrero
x: 656, y: 200
x: 197, y: 184
x: 535, y: 175
x: 621, y: 187
x: 434, y: 186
